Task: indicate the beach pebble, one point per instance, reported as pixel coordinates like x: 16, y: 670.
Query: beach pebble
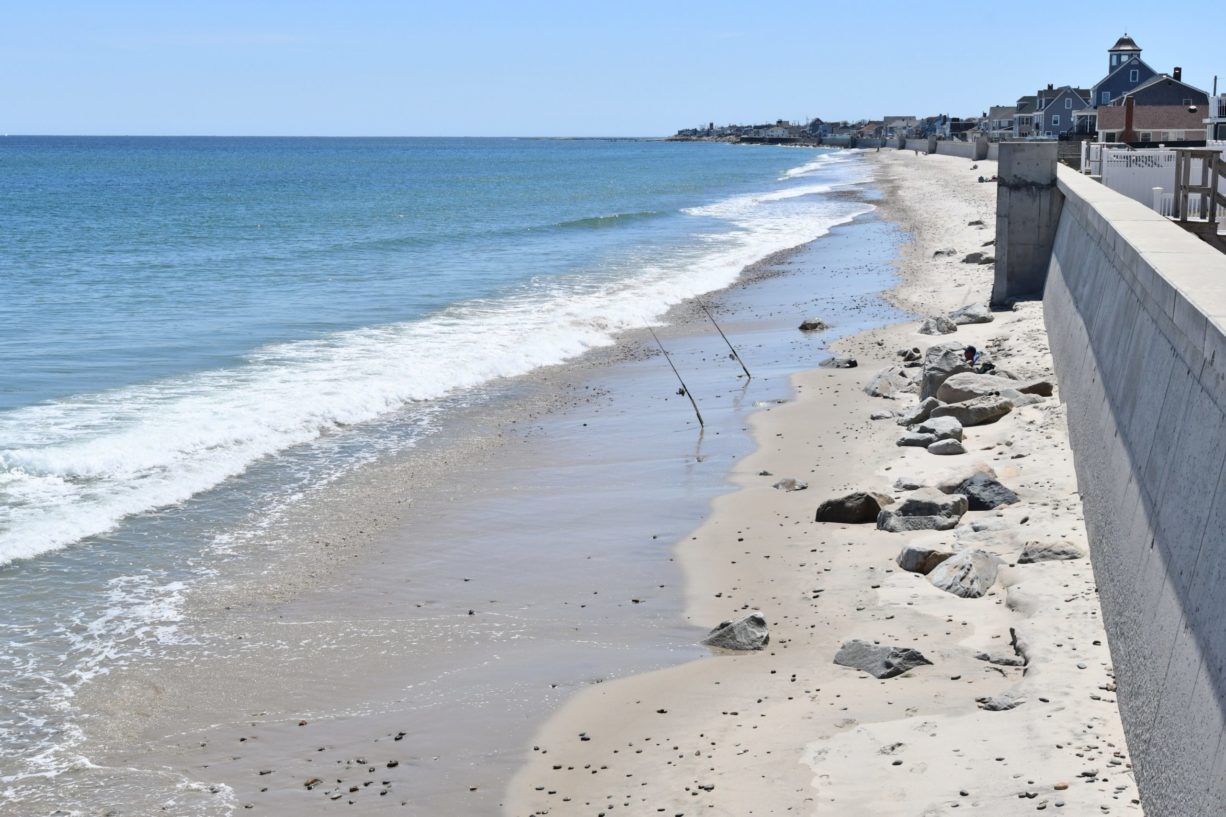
x: 878, y: 660
x: 790, y: 484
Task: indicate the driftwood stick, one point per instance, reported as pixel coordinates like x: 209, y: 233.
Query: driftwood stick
x: 684, y: 387
x: 735, y: 356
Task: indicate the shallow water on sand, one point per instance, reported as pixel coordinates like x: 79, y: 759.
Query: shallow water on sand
x: 125, y: 648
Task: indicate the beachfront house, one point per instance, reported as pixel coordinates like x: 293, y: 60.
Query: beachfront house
x: 1215, y: 124
x: 1054, y: 109
x: 894, y: 126
x: 999, y: 123
x: 1125, y: 71
x: 1023, y: 116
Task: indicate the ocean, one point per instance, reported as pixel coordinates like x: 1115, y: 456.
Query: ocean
x: 196, y: 332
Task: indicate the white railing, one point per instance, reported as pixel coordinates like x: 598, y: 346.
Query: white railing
x: 1164, y: 202
x: 1135, y: 173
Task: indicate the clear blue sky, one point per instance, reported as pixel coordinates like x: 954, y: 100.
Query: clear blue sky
x: 522, y: 67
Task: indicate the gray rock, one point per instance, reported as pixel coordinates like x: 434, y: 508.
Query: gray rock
x: 931, y: 502
x: 989, y: 525
x: 977, y: 412
x: 969, y: 385
x: 973, y: 258
x: 881, y: 414
x: 1049, y: 552
x: 938, y: 325
x: 853, y: 509
x: 917, y: 440
x: 790, y: 484
x: 943, y: 428
x: 921, y: 412
x: 983, y: 493
x: 894, y: 523
x: 968, y: 573
x: 746, y: 633
x: 912, y: 355
x: 878, y: 660
x: 949, y: 484
x: 889, y: 383
x: 940, y: 363
x: 1018, y: 399
x: 946, y: 448
x: 972, y: 313
x: 1010, y: 699
x: 839, y: 363
x: 944, y: 252
x: 920, y: 559
x: 813, y: 325
x: 908, y: 483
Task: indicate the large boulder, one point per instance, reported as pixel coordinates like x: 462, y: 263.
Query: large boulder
x: 889, y: 383
x: 949, y: 484
x: 1048, y: 552
x: 983, y: 493
x: 940, y: 363
x: 853, y: 509
x: 916, y: 439
x: 742, y: 634
x: 878, y: 660
x: 920, y: 559
x: 968, y: 573
x: 926, y: 509
x: 969, y: 385
x: 931, y: 502
x: 947, y: 448
x: 921, y: 412
x: 977, y: 412
x: 938, y: 325
x: 972, y: 313
x: 943, y: 428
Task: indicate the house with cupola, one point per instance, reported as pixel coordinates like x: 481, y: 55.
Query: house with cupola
x: 1125, y: 71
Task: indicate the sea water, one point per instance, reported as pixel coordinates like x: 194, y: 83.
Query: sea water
x: 195, y: 331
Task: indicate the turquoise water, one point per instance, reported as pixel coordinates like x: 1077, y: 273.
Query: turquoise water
x: 193, y: 330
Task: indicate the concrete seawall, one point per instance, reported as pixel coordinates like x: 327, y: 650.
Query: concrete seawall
x: 1136, y: 315
x: 952, y: 147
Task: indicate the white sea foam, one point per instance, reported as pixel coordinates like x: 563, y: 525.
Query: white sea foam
x: 76, y: 468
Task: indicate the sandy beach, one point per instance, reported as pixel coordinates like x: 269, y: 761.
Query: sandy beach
x: 785, y: 730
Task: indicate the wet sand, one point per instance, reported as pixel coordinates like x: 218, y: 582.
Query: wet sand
x: 401, y: 640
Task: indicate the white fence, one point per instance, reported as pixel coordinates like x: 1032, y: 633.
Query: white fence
x: 1147, y: 176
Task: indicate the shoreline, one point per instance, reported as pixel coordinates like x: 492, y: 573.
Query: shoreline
x: 784, y: 730
x: 160, y: 729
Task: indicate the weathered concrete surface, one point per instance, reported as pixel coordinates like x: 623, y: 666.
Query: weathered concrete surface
x: 1027, y: 213
x: 1136, y: 312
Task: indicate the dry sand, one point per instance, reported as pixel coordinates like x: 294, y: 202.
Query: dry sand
x: 785, y: 730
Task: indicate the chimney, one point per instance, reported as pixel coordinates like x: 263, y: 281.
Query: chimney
x: 1128, y: 136
x: 1178, y: 74
x: 1051, y: 87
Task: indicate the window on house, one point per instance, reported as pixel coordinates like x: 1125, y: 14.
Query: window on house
x: 1134, y: 75
x: 1068, y: 103
x: 1146, y: 136
x: 1187, y: 102
x: 1106, y: 97
x: 1055, y: 120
